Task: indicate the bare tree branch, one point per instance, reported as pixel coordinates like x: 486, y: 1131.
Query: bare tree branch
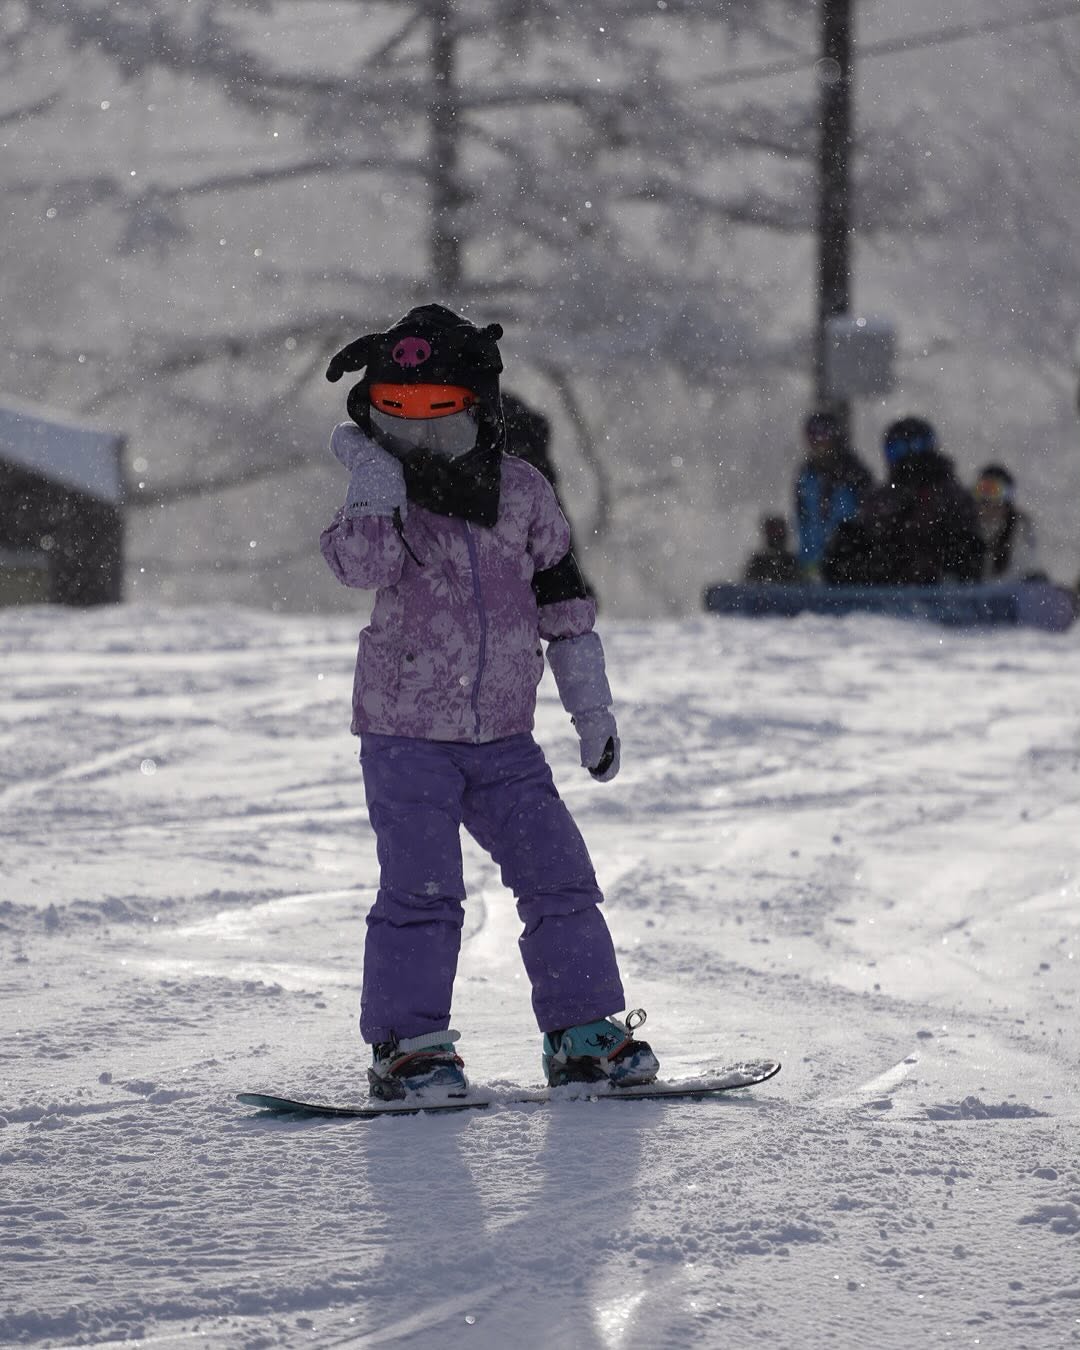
x: 22, y: 111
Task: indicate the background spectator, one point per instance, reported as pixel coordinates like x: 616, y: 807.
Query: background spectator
x: 773, y: 563
x: 917, y: 529
x: 528, y: 436
x: 830, y: 488
x: 1012, y: 551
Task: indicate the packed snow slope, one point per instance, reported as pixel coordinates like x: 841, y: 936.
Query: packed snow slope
x: 850, y: 844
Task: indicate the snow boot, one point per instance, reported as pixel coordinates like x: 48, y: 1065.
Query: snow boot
x: 600, y: 1052
x: 418, y: 1066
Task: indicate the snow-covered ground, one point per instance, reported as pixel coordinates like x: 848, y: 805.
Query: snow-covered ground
x: 849, y: 844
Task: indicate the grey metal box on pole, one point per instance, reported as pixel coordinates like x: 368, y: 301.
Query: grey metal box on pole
x: 859, y: 356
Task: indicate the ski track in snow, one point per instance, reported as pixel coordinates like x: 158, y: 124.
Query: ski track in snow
x: 851, y: 845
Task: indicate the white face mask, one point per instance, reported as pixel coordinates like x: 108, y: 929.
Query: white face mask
x: 447, y: 436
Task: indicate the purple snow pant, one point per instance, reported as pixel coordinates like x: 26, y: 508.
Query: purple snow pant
x: 419, y: 794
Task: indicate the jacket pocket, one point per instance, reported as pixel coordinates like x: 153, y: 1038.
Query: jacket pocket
x: 378, y: 669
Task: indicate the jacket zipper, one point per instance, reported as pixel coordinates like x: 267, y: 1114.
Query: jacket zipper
x: 474, y: 563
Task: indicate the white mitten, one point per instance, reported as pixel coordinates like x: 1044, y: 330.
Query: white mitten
x: 599, y: 738
x: 581, y: 679
x: 376, y: 481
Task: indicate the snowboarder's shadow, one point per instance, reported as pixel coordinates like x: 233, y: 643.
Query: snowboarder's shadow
x: 512, y: 1219
x: 573, y: 1238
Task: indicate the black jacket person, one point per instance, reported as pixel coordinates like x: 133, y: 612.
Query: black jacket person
x: 918, y: 529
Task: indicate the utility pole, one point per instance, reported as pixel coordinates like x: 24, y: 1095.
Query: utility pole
x: 445, y: 244
x: 834, y: 206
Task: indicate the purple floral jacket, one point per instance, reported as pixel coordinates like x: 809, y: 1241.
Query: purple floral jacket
x: 453, y: 650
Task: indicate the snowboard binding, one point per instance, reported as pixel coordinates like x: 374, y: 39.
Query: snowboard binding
x: 605, y: 1051
x: 418, y: 1066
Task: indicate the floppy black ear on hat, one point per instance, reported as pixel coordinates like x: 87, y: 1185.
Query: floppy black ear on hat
x: 481, y: 350
x: 353, y: 357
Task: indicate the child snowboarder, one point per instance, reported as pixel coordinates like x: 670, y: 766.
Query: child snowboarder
x: 469, y: 556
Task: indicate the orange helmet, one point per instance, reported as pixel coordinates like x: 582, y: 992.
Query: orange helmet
x: 421, y: 400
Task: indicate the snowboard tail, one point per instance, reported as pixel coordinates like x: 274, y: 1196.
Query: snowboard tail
x: 727, y: 1080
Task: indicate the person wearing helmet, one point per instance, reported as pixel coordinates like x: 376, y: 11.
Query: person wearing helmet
x: 1012, y: 551
x: 918, y: 529
x: 469, y: 557
x: 830, y: 487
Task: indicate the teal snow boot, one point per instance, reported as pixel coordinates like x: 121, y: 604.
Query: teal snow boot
x: 600, y: 1052
x: 418, y: 1066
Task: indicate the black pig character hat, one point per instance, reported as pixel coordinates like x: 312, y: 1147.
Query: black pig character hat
x: 430, y: 345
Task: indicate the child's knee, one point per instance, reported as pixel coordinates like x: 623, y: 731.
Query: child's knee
x: 404, y: 907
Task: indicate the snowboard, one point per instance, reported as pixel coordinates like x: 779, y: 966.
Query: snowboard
x: 726, y: 1080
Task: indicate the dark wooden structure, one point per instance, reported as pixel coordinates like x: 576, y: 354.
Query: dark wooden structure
x: 61, y: 509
